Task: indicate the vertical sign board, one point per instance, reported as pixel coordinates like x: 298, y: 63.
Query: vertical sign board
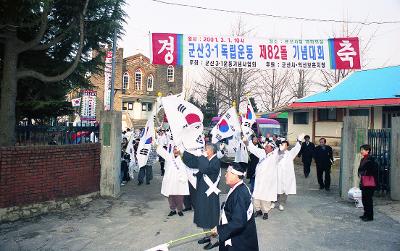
x: 107, y: 134
x: 107, y: 80
x: 88, y: 105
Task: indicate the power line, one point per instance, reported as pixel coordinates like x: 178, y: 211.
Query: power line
x: 277, y: 16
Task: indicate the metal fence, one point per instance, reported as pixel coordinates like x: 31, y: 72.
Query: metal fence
x: 55, y: 135
x: 379, y: 139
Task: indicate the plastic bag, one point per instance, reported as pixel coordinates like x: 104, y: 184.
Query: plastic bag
x: 355, y: 194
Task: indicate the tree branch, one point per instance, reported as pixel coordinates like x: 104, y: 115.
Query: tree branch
x: 56, y: 40
x: 36, y: 40
x: 44, y: 78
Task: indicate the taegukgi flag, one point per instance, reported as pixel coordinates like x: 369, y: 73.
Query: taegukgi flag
x: 185, y: 122
x: 248, y: 119
x: 76, y: 102
x: 226, y: 127
x: 146, y: 140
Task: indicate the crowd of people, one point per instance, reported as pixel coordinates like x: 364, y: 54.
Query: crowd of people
x: 191, y: 182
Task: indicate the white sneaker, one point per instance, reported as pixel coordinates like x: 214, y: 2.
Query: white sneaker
x: 281, y: 207
x: 272, y: 205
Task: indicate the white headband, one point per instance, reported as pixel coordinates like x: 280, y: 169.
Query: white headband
x: 234, y: 171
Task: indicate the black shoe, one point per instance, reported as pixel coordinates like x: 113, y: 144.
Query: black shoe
x: 327, y: 189
x: 204, y: 240
x: 180, y: 213
x: 265, y: 216
x: 172, y: 213
x: 140, y: 182
x: 367, y: 219
x: 211, y: 246
x: 321, y: 187
x: 362, y: 216
x: 258, y: 213
x: 187, y: 209
x: 148, y: 183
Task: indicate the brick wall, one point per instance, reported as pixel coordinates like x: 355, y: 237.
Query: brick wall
x: 42, y: 173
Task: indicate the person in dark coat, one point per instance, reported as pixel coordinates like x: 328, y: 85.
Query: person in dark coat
x: 253, y: 162
x: 306, y: 153
x: 237, y: 229
x: 368, y: 167
x: 206, y: 211
x: 323, y: 157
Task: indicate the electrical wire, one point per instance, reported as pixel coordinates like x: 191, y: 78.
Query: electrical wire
x: 277, y: 16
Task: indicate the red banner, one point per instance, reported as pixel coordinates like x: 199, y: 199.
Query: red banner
x: 165, y: 48
x: 347, y: 53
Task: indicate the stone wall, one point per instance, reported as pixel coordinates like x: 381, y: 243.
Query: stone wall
x: 36, y: 174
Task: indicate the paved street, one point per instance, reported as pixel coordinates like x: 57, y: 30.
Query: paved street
x: 313, y: 220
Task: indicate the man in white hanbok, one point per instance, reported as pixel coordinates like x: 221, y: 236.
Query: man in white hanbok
x: 265, y: 186
x: 285, y: 166
x: 175, y: 181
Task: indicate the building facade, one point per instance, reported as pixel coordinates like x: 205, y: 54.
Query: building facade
x: 373, y: 93
x: 136, y: 87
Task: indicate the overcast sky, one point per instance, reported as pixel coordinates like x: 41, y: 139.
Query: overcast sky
x: 146, y: 16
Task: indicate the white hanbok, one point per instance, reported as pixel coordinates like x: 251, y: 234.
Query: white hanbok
x: 285, y: 166
x: 266, y: 178
x: 175, y: 181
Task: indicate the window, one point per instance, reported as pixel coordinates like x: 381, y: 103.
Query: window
x: 170, y: 73
x: 125, y: 82
x: 300, y: 118
x: 138, y: 79
x: 130, y: 106
x: 124, y: 106
x: 150, y: 83
x: 359, y: 112
x: 326, y: 114
x: 147, y: 106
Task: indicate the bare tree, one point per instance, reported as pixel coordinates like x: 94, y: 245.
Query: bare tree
x: 273, y: 89
x: 301, y: 83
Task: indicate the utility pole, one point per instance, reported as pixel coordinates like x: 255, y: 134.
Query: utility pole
x: 114, y: 49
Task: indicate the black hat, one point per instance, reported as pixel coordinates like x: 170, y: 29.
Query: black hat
x: 237, y: 169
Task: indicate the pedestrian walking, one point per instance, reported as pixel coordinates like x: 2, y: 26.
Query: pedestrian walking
x: 286, y: 175
x: 237, y: 228
x: 306, y: 153
x: 163, y: 141
x: 175, y: 182
x: 206, y: 211
x: 323, y: 157
x: 147, y: 170
x: 368, y: 173
x: 253, y: 162
x: 265, y: 189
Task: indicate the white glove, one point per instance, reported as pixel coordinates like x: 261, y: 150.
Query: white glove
x: 301, y: 137
x: 221, y: 146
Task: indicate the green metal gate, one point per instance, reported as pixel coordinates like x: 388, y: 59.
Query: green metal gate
x: 379, y: 139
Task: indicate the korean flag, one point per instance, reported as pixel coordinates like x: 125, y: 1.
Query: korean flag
x: 248, y: 119
x: 185, y: 121
x: 226, y: 127
x: 146, y: 140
